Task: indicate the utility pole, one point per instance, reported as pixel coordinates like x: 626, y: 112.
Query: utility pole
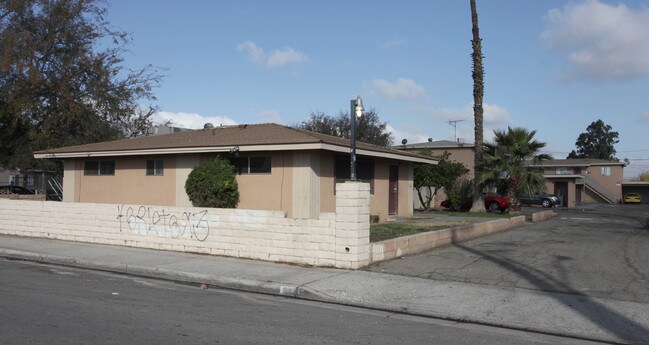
x: 454, y: 124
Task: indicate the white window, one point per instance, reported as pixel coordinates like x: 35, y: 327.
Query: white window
x: 564, y: 171
x: 606, y: 171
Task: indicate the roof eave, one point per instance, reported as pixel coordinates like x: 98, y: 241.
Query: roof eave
x: 246, y: 148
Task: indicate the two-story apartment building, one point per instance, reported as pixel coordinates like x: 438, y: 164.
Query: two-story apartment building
x: 459, y: 152
x: 584, y: 181
x: 574, y: 181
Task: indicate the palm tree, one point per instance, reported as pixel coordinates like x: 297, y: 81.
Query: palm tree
x: 478, y: 94
x: 510, y: 158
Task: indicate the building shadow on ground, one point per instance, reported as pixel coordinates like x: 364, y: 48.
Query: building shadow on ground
x: 604, y: 317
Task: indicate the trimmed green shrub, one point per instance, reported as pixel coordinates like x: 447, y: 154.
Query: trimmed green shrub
x: 459, y: 194
x: 213, y: 184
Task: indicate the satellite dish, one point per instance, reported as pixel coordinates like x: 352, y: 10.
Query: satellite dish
x: 430, y: 140
x: 208, y: 126
x: 404, y: 141
x: 626, y: 162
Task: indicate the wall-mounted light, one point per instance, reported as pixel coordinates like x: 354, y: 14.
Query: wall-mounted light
x: 234, y: 151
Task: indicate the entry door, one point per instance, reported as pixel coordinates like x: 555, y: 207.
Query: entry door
x: 561, y: 192
x: 393, y: 201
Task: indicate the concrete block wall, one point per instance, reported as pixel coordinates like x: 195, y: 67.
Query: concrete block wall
x: 335, y: 240
x: 352, y: 224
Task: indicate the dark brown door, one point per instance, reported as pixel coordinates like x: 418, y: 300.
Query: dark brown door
x: 561, y: 192
x: 393, y: 190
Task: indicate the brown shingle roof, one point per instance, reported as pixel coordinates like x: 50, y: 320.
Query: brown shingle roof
x: 225, y: 136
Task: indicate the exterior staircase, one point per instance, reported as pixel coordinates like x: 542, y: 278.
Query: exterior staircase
x: 599, y: 191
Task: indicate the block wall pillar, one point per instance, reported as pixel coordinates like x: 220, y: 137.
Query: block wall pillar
x: 352, y: 224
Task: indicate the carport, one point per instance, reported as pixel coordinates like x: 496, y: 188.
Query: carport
x: 640, y: 187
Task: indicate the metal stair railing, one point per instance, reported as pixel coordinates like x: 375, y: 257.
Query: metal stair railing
x: 600, y: 191
x: 57, y: 187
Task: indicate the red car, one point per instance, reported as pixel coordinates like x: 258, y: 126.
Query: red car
x: 491, y: 203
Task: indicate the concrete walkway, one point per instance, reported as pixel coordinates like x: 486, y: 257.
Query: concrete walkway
x: 552, y: 313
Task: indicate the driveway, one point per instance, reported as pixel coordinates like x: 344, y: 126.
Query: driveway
x: 594, y: 250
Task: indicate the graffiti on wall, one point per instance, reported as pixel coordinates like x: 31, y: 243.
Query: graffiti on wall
x: 146, y: 221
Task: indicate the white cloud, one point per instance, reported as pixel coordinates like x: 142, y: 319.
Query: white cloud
x: 492, y: 114
x: 645, y: 116
x: 255, y: 53
x: 271, y: 116
x: 397, y: 42
x: 494, y: 117
x: 190, y: 120
x: 274, y: 59
x: 285, y: 56
x: 412, y: 137
x: 403, y: 89
x: 599, y: 41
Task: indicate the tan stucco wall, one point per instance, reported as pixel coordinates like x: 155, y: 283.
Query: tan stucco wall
x: 129, y: 184
x: 406, y: 186
x: 612, y: 183
x: 268, y: 191
x: 69, y: 180
x: 461, y: 155
x: 184, y: 166
x: 327, y: 197
x: 306, y: 184
x: 378, y: 199
x: 301, y: 184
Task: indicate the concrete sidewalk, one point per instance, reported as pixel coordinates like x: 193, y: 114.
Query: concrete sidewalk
x: 560, y: 314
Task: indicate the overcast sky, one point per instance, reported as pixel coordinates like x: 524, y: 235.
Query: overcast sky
x: 551, y: 66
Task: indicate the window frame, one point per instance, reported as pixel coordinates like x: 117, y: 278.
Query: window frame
x: 157, y: 169
x: 102, y: 165
x: 247, y: 169
x: 346, y: 161
x: 606, y: 170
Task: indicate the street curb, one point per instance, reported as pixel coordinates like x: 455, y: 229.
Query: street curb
x: 266, y: 287
x: 234, y: 283
x: 311, y: 295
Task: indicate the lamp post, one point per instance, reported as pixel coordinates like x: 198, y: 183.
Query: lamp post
x: 355, y: 110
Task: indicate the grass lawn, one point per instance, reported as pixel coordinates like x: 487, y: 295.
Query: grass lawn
x: 380, y: 232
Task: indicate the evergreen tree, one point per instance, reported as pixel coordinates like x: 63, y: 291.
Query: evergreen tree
x: 596, y: 143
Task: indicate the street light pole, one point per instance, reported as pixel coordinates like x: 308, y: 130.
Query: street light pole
x: 355, y: 110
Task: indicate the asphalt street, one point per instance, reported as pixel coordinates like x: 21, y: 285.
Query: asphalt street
x: 44, y: 304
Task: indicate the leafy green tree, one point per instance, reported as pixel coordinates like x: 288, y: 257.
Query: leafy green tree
x: 510, y: 157
x: 596, y: 143
x: 478, y: 111
x: 369, y: 128
x: 62, y: 81
x: 213, y: 184
x: 429, y: 178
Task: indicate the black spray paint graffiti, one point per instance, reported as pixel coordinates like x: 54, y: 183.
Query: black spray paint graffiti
x: 145, y: 221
